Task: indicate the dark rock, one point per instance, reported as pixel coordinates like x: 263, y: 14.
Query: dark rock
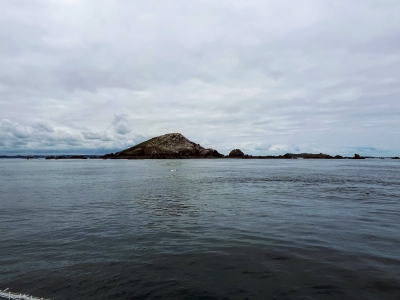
x: 357, y: 156
x: 236, y: 153
x: 308, y: 155
x: 320, y: 155
x: 109, y: 155
x: 339, y: 157
x: 171, y: 145
x: 396, y: 157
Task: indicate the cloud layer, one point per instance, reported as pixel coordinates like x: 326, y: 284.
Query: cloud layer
x: 268, y: 77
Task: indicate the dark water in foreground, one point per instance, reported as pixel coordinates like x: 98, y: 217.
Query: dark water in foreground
x: 215, y: 229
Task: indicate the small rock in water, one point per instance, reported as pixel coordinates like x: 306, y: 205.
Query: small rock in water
x: 174, y: 170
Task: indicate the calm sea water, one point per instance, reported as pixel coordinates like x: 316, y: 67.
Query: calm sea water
x: 213, y: 229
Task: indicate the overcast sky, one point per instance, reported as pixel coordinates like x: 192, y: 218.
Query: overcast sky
x: 268, y: 77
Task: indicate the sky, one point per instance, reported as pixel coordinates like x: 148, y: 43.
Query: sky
x: 268, y: 77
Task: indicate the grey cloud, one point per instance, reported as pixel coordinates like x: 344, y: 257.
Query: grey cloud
x: 103, y: 136
x: 120, y: 124
x: 43, y: 127
x: 18, y: 143
x: 15, y: 129
x: 122, y: 128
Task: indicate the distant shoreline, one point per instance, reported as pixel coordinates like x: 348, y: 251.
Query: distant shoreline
x: 285, y: 156
x: 176, y: 146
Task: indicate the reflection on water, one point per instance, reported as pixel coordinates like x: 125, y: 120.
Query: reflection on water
x: 211, y: 229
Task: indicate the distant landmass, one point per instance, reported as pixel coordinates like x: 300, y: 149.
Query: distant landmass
x: 175, y: 145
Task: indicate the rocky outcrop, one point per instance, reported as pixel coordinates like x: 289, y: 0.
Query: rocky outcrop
x: 311, y: 155
x: 171, y: 145
x: 236, y: 153
x: 357, y: 156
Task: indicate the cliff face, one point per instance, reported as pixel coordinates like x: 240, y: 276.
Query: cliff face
x: 171, y: 145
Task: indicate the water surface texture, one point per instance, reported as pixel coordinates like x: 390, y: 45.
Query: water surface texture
x: 210, y: 229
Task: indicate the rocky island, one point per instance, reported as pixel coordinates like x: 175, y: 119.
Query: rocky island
x: 171, y: 145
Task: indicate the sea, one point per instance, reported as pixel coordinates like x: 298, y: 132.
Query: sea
x: 200, y: 228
